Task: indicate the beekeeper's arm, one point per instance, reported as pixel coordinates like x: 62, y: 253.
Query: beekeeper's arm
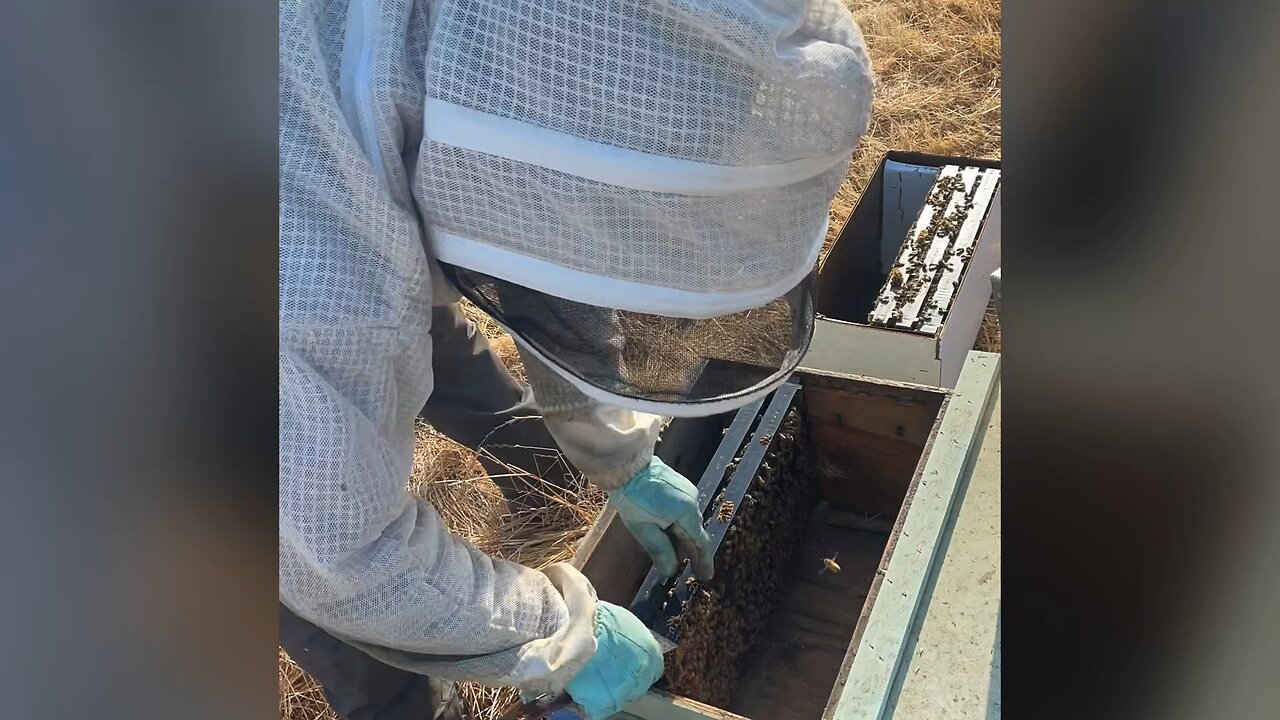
x: 359, y: 556
x: 613, y: 447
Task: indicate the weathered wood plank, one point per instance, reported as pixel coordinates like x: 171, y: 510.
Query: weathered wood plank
x: 658, y: 705
x: 868, y: 436
x: 904, y: 419
x: 879, y: 654
x: 950, y: 668
x: 873, y: 386
x: 790, y: 674
x: 862, y: 470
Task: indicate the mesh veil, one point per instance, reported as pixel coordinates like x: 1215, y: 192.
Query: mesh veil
x: 676, y: 366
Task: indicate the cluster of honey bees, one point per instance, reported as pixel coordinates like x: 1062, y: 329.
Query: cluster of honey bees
x: 906, y: 279
x: 725, y: 616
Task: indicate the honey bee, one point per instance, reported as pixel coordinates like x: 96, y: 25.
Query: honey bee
x: 829, y: 564
x: 765, y: 438
x: 896, y: 277
x: 726, y: 511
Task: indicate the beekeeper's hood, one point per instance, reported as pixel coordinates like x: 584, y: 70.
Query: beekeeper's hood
x: 638, y: 190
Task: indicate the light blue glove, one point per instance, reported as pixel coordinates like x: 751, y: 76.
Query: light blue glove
x: 660, y: 508
x: 626, y: 663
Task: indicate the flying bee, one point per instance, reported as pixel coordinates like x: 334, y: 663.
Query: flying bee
x: 829, y: 564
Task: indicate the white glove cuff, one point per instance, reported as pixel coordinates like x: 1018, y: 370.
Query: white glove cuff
x: 608, y: 444
x: 547, y: 665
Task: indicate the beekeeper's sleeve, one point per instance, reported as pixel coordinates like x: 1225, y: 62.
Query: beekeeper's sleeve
x: 609, y: 444
x: 359, y: 555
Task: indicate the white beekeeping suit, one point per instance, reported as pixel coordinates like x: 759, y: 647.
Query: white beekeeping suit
x: 637, y: 189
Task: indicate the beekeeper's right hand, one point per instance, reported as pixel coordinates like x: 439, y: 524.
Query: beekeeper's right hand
x: 627, y: 661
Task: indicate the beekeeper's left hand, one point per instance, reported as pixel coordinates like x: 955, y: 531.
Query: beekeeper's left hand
x: 660, y: 508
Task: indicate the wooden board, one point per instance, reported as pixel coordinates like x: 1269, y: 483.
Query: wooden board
x: 790, y: 676
x: 877, y: 523
x: 953, y: 647
x: 965, y: 316
x: 863, y: 688
x: 905, y: 393
x: 658, y: 705
x: 907, y: 419
x: 861, y: 470
x: 868, y: 438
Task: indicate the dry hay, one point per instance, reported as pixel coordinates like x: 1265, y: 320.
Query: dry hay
x: 499, y: 340
x: 300, y: 696
x: 989, y: 334
x: 938, y: 91
x: 937, y: 65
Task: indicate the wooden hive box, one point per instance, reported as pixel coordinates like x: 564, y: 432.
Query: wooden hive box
x: 865, y: 325
x: 890, y: 459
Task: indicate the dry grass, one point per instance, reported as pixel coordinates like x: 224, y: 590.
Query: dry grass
x: 989, y: 334
x: 501, y: 342
x: 300, y: 696
x: 937, y: 65
x: 938, y: 90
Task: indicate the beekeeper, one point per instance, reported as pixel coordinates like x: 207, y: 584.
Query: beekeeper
x: 637, y: 190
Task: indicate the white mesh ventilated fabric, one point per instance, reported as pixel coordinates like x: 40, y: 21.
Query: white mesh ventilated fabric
x: 359, y: 556
x: 674, y: 157
x: 706, y: 245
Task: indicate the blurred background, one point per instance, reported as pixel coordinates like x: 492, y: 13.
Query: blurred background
x: 138, y: 296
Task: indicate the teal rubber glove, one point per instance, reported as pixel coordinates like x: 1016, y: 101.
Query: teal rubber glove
x: 627, y: 662
x: 660, y: 508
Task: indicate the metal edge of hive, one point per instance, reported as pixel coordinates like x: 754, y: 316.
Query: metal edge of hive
x: 708, y: 485
x: 648, y: 604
